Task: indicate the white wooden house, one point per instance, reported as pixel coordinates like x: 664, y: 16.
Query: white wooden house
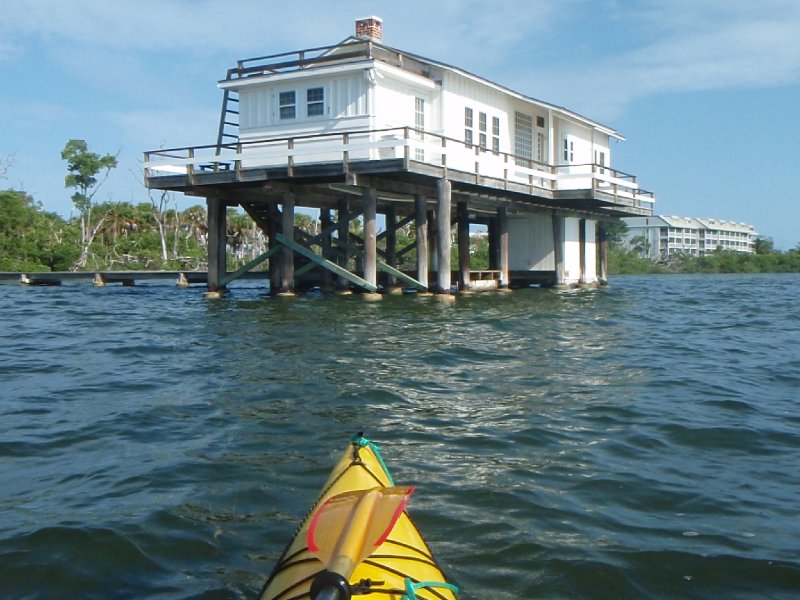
x: 363, y: 107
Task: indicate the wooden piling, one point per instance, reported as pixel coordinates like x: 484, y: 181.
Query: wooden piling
x: 421, y: 226
x: 327, y: 248
x: 502, y: 246
x: 582, y: 250
x: 217, y: 241
x: 370, y: 236
x: 559, y: 233
x: 343, y: 235
x: 602, y: 252
x: 287, y: 230
x: 443, y: 241
x: 462, y: 217
x: 391, y: 244
x: 276, y: 261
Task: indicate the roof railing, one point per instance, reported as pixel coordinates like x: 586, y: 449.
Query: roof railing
x: 298, y: 59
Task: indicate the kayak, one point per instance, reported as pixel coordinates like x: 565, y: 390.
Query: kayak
x: 400, y: 565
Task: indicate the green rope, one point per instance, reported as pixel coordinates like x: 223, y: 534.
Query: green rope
x: 364, y: 442
x: 411, y: 587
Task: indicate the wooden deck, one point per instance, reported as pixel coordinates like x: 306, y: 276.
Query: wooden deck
x: 389, y: 160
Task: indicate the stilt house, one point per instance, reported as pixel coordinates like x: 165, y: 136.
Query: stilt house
x: 359, y: 129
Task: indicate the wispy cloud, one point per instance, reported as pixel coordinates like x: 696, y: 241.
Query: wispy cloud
x: 692, y: 47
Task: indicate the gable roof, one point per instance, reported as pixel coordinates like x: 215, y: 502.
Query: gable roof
x: 520, y: 96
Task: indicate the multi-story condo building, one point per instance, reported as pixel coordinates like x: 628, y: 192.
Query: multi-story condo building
x: 660, y: 236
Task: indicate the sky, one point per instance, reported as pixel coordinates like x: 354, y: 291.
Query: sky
x: 706, y: 92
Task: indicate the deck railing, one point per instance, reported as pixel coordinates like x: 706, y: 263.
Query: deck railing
x: 403, y: 143
x: 299, y: 59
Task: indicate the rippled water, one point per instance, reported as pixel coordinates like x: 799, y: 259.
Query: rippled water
x: 630, y: 442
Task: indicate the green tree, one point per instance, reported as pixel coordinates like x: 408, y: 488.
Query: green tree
x: 33, y: 240
x: 83, y: 169
x: 764, y: 245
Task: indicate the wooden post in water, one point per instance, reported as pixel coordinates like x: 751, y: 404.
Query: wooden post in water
x: 462, y: 210
x: 502, y: 235
x: 443, y: 241
x: 432, y: 243
x: 343, y: 233
x: 391, y: 244
x: 276, y: 260
x: 217, y: 241
x: 287, y: 229
x: 558, y: 249
x: 421, y: 222
x: 494, y: 244
x: 582, y: 250
x: 327, y: 250
x: 602, y: 252
x: 370, y: 236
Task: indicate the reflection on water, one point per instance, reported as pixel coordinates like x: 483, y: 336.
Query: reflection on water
x: 641, y: 437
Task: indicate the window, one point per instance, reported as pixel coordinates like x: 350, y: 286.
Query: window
x: 288, y: 105
x: 482, y: 141
x: 419, y: 123
x: 315, y: 102
x: 540, y: 121
x: 540, y: 147
x: 496, y: 135
x: 482, y: 121
x: 569, y: 150
x: 468, y: 124
x: 523, y: 138
x: 600, y: 160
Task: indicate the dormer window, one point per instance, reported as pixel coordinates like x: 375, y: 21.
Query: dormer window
x: 315, y: 98
x: 287, y: 102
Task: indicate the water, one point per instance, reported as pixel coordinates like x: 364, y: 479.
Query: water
x: 631, y: 442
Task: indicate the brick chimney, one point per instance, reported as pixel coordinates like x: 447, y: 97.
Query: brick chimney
x: 369, y: 28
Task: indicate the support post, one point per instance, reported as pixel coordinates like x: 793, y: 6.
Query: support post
x: 432, y: 237
x: 602, y: 252
x: 287, y: 230
x: 391, y: 244
x: 559, y: 233
x: 494, y: 245
x: 276, y: 260
x: 217, y: 240
x: 443, y: 241
x: 462, y: 210
x: 370, y: 235
x: 582, y: 250
x: 327, y: 248
x: 502, y: 243
x: 421, y: 223
x: 343, y: 234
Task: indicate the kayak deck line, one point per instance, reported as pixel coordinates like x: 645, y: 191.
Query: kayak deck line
x: 401, y: 567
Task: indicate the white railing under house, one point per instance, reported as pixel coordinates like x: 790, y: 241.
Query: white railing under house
x: 406, y: 144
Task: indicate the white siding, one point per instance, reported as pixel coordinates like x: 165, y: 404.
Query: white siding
x: 572, y: 250
x: 530, y: 243
x: 590, y: 255
x: 345, y: 100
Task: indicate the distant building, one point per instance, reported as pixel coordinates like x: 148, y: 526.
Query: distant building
x: 659, y: 237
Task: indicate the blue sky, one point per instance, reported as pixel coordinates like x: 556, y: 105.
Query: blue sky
x: 707, y: 92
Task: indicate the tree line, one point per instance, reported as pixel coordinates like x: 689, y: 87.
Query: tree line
x: 152, y: 234
x: 766, y: 259
x: 155, y: 234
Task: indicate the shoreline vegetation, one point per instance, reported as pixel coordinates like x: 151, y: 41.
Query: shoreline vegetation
x: 155, y: 235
